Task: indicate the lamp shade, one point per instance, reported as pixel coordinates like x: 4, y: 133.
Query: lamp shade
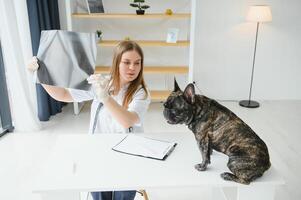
x: 259, y: 13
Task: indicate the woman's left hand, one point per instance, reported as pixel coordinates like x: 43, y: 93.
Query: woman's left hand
x: 101, y: 86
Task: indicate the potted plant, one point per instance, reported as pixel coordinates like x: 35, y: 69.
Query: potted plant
x: 99, y: 35
x: 141, y: 8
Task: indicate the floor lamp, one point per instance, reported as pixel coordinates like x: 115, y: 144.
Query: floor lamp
x: 258, y: 14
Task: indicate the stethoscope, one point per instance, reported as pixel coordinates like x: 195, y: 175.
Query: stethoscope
x: 99, y: 107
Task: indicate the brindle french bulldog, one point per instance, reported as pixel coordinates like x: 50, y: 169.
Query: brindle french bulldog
x: 216, y: 127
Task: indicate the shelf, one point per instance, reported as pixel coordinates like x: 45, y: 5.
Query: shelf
x: 131, y: 16
x: 154, y: 43
x: 151, y: 69
x: 159, y: 95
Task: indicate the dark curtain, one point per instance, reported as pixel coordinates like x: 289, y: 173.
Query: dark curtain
x: 5, y: 115
x: 43, y: 15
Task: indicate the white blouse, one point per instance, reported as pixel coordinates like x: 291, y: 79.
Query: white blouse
x: 105, y: 122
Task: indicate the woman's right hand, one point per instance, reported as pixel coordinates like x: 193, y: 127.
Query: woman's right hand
x: 33, y: 65
x: 100, y: 84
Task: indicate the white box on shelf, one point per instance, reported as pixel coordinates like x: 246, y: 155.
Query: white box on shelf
x: 172, y: 35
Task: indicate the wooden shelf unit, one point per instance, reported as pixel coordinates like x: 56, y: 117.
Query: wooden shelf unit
x: 157, y: 95
x: 131, y: 16
x: 152, y: 43
x: 150, y: 69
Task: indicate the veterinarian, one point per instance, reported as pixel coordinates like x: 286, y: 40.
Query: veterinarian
x: 119, y: 103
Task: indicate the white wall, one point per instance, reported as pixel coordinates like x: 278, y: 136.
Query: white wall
x: 223, y: 49
x: 226, y: 44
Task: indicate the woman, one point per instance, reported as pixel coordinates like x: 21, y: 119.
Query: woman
x: 119, y: 103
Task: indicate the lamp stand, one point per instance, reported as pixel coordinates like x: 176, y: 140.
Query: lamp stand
x: 249, y: 103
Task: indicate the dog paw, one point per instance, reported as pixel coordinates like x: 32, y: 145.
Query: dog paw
x: 227, y: 176
x: 200, y: 167
x: 231, y: 177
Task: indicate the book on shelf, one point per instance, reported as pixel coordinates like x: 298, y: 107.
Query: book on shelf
x: 95, y: 6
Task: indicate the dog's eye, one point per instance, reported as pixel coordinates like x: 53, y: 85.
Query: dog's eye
x: 167, y: 104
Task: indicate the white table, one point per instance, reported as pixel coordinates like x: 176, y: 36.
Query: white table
x: 81, y: 163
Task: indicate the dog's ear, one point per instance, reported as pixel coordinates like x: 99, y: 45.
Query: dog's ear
x: 176, y: 86
x: 189, y: 93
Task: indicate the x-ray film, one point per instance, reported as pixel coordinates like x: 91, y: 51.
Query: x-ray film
x: 66, y: 59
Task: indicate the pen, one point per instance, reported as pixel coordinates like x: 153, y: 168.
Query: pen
x: 169, y: 151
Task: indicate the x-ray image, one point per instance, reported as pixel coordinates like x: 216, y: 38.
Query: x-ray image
x: 66, y: 59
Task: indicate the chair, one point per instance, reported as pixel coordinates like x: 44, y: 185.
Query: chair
x: 143, y: 193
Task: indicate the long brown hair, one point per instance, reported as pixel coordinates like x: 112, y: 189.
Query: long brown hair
x: 134, y: 85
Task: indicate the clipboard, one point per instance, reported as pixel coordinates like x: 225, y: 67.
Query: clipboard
x: 145, y: 147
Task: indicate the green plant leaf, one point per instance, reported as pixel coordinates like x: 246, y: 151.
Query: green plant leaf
x: 145, y: 7
x: 134, y: 5
x: 139, y: 1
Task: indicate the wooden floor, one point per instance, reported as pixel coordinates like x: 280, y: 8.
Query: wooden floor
x: 278, y: 123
